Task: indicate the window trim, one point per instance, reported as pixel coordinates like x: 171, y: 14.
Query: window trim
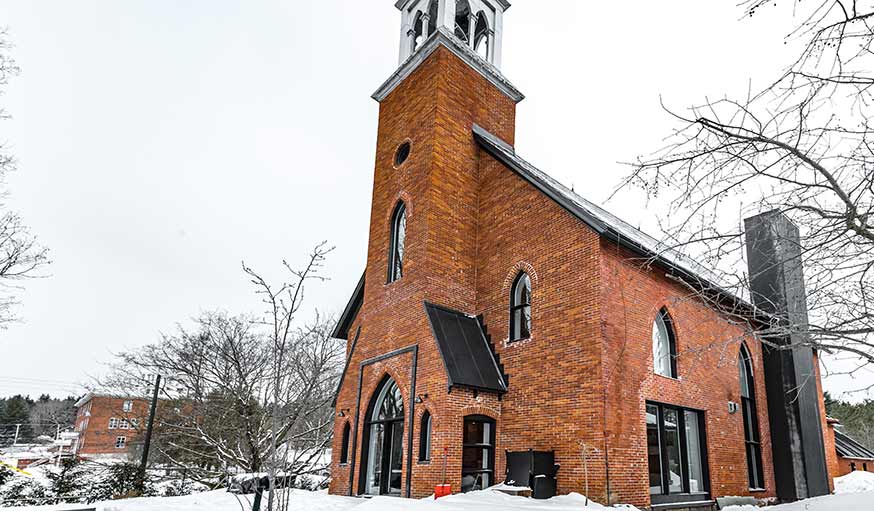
x: 668, y: 321
x: 120, y: 440
x: 393, y: 273
x: 515, y: 336
x: 686, y: 495
x: 745, y: 359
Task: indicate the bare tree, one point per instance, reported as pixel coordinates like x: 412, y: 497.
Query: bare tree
x: 20, y: 255
x: 245, y: 394
x: 803, y: 145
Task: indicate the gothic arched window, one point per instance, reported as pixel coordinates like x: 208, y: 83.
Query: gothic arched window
x: 418, y: 31
x: 344, y: 446
x: 481, y: 36
x: 751, y: 419
x: 463, y: 21
x: 432, y: 18
x: 520, y: 308
x: 398, y: 241
x: 383, y: 441
x: 425, y: 437
x: 664, y: 345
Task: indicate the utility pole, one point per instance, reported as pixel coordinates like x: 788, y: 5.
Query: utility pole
x: 141, y: 480
x: 17, y: 429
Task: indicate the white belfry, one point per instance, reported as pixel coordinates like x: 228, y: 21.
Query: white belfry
x: 476, y: 23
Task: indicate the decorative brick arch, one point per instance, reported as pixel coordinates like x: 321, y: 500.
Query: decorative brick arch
x: 401, y: 196
x: 391, y: 372
x: 514, y: 272
x: 480, y: 410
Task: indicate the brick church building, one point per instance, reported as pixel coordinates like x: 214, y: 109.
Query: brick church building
x: 500, y: 312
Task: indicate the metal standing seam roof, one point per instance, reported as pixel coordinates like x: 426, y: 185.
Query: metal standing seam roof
x: 600, y: 220
x: 846, y: 447
x: 466, y: 353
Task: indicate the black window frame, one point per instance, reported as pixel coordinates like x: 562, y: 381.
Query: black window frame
x: 752, y: 432
x: 686, y: 495
x: 489, y: 446
x: 395, y: 272
x: 344, y: 446
x: 672, y: 343
x: 520, y: 308
x: 425, y: 437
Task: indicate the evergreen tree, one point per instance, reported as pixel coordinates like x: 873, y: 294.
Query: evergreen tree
x: 18, y: 412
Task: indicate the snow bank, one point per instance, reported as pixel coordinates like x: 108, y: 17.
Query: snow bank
x: 842, y: 502
x: 321, y: 501
x: 855, y: 482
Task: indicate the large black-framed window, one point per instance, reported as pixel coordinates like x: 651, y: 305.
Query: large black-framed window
x: 344, y: 446
x: 752, y: 440
x: 664, y: 345
x: 478, y: 453
x: 425, y: 437
x: 398, y: 243
x: 520, y: 308
x: 676, y: 454
x: 382, y: 457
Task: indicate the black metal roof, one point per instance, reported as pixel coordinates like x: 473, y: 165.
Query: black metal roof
x: 849, y: 448
x: 341, y: 331
x: 466, y: 353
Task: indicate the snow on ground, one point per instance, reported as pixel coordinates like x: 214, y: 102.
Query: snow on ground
x: 855, y: 482
x: 321, y: 501
x: 849, y: 498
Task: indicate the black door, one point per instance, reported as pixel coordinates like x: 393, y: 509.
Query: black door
x: 384, y: 433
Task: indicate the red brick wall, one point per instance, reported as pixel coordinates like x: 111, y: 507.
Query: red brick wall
x: 845, y: 466
x: 707, y: 347
x: 586, y: 372
x: 95, y: 437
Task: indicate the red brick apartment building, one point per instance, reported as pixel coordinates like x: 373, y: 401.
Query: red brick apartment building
x: 500, y: 312
x: 108, y: 425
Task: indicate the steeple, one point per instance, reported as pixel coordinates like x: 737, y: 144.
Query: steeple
x: 477, y: 24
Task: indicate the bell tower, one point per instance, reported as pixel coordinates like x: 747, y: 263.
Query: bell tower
x: 478, y: 24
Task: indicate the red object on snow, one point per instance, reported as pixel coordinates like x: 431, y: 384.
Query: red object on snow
x: 442, y: 490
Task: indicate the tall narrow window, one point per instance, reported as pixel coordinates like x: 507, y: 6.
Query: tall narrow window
x: 398, y: 241
x: 425, y: 437
x: 344, y: 447
x: 478, y: 453
x: 751, y: 419
x: 664, y: 346
x: 520, y: 308
x: 481, y: 36
x: 676, y: 454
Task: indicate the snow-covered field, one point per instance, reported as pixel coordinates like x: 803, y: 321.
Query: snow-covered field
x: 855, y: 492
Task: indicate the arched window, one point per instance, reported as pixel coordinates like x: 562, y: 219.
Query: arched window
x: 481, y: 36
x: 751, y: 419
x: 398, y: 240
x: 664, y: 345
x: 520, y: 308
x: 463, y: 21
x: 425, y: 437
x: 344, y: 446
x: 432, y: 18
x: 384, y: 431
x: 418, y: 31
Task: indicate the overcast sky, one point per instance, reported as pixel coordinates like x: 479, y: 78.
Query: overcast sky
x: 162, y: 142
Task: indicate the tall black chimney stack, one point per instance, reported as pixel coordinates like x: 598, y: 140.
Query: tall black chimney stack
x: 777, y: 287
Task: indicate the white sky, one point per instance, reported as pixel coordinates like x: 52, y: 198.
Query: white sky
x: 163, y: 142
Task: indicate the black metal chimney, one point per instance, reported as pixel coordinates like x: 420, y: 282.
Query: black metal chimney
x: 777, y: 287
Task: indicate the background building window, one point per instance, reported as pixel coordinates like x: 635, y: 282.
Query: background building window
x: 676, y: 454
x: 113, y: 423
x: 520, y: 308
x: 128, y: 406
x: 664, y: 345
x: 425, y: 437
x: 120, y: 442
x: 478, y: 453
x: 751, y: 420
x: 398, y: 242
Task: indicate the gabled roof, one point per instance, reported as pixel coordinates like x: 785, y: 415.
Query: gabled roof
x: 849, y: 448
x: 466, y: 353
x: 600, y: 220
x: 341, y: 331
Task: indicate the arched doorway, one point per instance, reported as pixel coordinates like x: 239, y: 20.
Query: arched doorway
x: 383, y: 441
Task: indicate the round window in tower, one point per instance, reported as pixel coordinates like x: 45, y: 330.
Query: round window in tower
x: 402, y: 154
